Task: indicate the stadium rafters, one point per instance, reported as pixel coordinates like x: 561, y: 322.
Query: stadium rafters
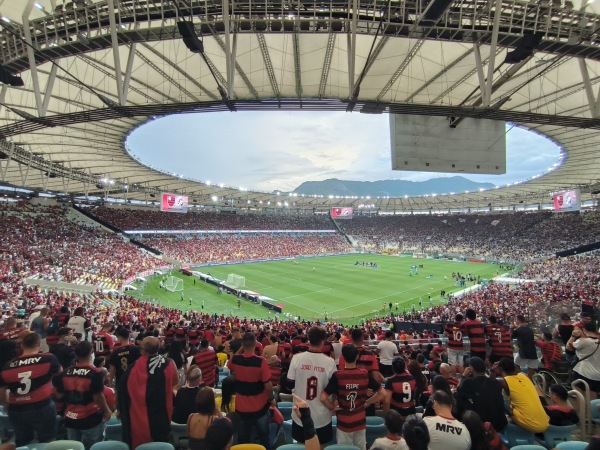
x: 94, y: 70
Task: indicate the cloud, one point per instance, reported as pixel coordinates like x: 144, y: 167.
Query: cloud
x: 279, y: 150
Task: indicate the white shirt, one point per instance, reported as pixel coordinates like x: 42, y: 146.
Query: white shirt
x: 312, y: 371
x: 589, y: 367
x: 77, y: 324
x: 337, y: 350
x: 445, y: 434
x: 387, y: 350
x: 385, y: 443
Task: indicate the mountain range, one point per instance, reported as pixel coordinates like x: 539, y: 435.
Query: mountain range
x: 391, y: 188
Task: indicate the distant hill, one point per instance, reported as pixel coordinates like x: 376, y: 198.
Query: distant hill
x: 391, y: 188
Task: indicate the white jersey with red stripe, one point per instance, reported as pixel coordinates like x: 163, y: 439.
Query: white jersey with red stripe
x: 311, y: 372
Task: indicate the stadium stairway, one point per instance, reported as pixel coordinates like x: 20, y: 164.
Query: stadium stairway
x: 349, y: 238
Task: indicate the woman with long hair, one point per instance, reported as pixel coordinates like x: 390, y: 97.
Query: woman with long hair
x: 226, y: 403
x: 198, y: 423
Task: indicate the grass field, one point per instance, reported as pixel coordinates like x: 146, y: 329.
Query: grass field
x: 313, y: 287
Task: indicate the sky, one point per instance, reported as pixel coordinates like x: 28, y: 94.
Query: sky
x: 269, y: 151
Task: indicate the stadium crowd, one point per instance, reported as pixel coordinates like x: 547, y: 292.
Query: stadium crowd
x: 516, y: 236
x: 226, y: 248
x: 144, y: 219
x: 162, y: 362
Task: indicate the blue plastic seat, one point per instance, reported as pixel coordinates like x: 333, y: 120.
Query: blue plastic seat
x: 155, y: 446
x: 114, y: 432
x: 33, y: 447
x: 514, y: 435
x: 595, y: 413
x: 341, y: 447
x: 286, y: 412
x: 285, y: 404
x: 64, y: 445
x: 555, y: 434
x: 287, y: 431
x: 572, y: 445
x: 375, y: 420
x: 528, y: 447
x: 110, y: 445
x: 291, y: 447
x: 179, y: 435
x: 375, y: 431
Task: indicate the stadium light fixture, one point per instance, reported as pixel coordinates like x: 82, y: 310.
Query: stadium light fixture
x: 214, y: 198
x: 38, y: 6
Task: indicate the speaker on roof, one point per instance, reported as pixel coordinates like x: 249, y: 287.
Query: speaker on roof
x: 188, y: 33
x: 11, y: 80
x: 524, y: 48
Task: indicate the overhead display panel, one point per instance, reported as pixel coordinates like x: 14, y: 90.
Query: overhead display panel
x: 430, y: 144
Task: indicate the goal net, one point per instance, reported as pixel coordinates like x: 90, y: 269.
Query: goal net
x: 174, y: 284
x: 235, y: 281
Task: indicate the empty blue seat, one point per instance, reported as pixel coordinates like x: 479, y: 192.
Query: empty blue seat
x: 110, y: 445
x: 64, y: 445
x: 155, y: 446
x: 515, y: 435
x: 572, y: 445
x: 555, y: 434
x: 341, y: 447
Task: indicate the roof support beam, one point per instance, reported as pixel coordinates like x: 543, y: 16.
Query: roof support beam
x: 492, y: 61
x: 411, y: 54
x: 128, y: 70
x: 327, y: 63
x: 49, y: 87
x: 234, y: 64
x: 115, y: 50
x: 353, y: 10
x: 594, y: 103
x: 9, y: 155
x: 181, y: 71
x: 262, y: 44
x: 229, y: 55
x: 31, y: 57
x: 297, y: 67
x: 3, y: 91
x: 479, y: 67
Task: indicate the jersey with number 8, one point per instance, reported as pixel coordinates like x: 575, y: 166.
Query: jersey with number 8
x: 311, y: 372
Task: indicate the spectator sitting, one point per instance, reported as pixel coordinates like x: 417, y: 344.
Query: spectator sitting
x: 561, y: 413
x: 551, y: 351
x: 393, y: 439
x: 226, y: 402
x: 199, y: 422
x: 185, y: 400
x: 481, y: 394
x: 416, y: 433
x: 444, y: 430
x: 439, y: 384
x: 483, y: 435
x: 446, y: 372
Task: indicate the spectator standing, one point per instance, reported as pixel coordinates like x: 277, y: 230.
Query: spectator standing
x: 349, y: 388
x: 527, y: 355
x: 78, y: 323
x: 145, y: 396
x: 526, y: 409
x: 563, y: 331
x: 206, y: 359
x: 103, y: 341
x: 387, y: 351
x: 254, y: 391
x: 81, y: 387
x: 456, y: 347
x: 473, y: 328
x: 400, y: 390
x: 28, y: 380
x: 11, y: 332
x: 444, y: 430
x: 122, y: 357
x: 63, y: 350
x: 309, y: 374
x: 40, y: 326
x: 499, y: 338
x: 337, y: 347
x: 586, y: 344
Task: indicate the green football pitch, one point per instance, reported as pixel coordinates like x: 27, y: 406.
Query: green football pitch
x: 311, y: 288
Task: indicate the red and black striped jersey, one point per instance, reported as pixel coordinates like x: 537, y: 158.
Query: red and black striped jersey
x: 251, y: 373
x: 103, y: 344
x: 28, y: 379
x: 79, y: 384
x: 10, y: 334
x: 350, y: 386
x: 454, y: 332
x: 284, y: 353
x: 327, y: 348
x: 208, y: 362
x: 500, y: 341
x: 474, y: 330
x: 169, y: 335
x: 366, y: 360
x: 275, y: 373
x: 551, y: 352
x: 193, y: 337
x: 402, y: 387
x: 181, y: 333
x: 122, y: 358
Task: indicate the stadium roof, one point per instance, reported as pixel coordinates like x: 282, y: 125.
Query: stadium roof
x: 93, y: 70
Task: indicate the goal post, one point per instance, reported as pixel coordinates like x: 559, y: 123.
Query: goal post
x: 235, y: 281
x: 174, y: 284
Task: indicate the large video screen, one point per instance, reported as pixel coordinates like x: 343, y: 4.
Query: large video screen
x: 567, y: 201
x: 341, y: 213
x: 174, y: 203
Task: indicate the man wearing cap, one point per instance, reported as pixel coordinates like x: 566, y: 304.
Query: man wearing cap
x: 481, y: 394
x: 63, y: 350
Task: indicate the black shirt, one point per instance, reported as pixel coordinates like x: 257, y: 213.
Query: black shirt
x: 64, y: 353
x: 524, y: 336
x: 484, y: 396
x: 184, y: 404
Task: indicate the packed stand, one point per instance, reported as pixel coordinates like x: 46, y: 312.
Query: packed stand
x: 516, y: 236
x: 146, y: 219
